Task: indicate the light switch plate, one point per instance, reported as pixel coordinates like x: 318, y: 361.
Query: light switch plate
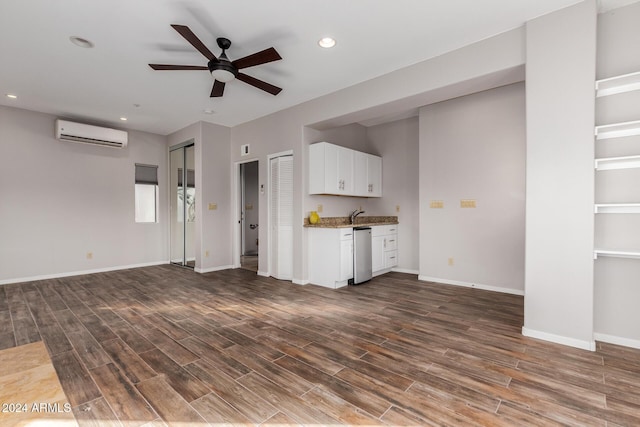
x: 436, y: 204
x: 213, y: 206
x: 467, y: 203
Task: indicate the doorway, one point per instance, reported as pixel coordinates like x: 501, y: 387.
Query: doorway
x: 249, y: 215
x: 182, y: 188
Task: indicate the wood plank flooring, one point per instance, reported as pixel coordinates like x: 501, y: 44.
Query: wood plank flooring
x: 167, y: 346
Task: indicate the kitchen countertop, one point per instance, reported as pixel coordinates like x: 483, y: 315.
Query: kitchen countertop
x: 343, y: 221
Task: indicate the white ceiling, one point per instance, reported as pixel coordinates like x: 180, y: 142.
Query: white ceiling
x: 49, y: 74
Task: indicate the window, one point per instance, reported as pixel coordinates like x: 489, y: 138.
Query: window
x: 146, y: 193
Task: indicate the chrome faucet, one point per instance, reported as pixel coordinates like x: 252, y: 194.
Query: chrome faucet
x: 354, y: 214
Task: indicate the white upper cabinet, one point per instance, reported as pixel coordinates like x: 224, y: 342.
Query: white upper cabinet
x: 342, y: 171
x: 374, y: 176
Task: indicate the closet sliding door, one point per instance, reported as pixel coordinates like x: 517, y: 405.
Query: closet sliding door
x: 182, y: 197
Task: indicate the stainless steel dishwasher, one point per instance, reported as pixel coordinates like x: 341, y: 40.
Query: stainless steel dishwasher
x: 361, y: 254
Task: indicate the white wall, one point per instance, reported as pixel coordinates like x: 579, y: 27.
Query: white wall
x: 216, y: 188
x: 474, y: 148
x: 561, y: 56
x: 397, y: 143
x: 616, y: 280
x: 61, y: 200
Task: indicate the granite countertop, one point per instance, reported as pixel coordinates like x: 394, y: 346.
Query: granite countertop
x: 343, y: 221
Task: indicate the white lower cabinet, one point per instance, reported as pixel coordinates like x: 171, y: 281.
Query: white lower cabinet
x: 377, y: 252
x: 330, y: 256
x: 384, y: 248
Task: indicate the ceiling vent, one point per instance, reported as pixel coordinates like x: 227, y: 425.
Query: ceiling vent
x: 88, y: 134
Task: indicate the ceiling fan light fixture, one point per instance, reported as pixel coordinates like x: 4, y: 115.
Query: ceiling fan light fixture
x: 222, y: 75
x: 327, y: 42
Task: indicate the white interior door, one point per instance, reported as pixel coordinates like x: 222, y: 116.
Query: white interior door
x: 281, y: 200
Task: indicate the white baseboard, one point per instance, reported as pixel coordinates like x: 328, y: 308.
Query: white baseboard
x: 80, y: 273
x: 263, y: 273
x: 612, y: 339
x: 472, y: 285
x: 300, y: 282
x: 212, y: 269
x: 559, y: 339
x: 405, y: 270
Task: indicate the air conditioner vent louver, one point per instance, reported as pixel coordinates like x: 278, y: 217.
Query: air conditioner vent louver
x: 88, y: 134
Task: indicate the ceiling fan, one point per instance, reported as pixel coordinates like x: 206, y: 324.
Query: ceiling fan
x: 222, y: 69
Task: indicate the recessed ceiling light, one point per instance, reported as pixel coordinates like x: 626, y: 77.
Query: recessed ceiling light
x: 124, y: 119
x: 208, y: 111
x: 12, y: 96
x: 79, y: 41
x: 326, y: 42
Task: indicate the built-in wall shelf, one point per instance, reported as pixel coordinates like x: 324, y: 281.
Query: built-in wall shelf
x: 617, y: 208
x: 618, y: 130
x: 618, y: 84
x: 617, y: 254
x: 611, y: 163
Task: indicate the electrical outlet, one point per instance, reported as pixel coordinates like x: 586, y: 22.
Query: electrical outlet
x: 319, y: 209
x: 467, y: 203
x: 397, y: 208
x: 436, y: 204
x: 206, y: 253
x: 450, y: 261
x: 213, y: 206
x: 89, y: 255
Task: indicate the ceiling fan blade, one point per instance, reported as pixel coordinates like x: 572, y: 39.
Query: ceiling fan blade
x: 262, y: 57
x: 161, y: 67
x: 273, y: 90
x: 218, y: 89
x: 194, y: 40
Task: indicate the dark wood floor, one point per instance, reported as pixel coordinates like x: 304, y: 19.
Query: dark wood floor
x: 165, y: 343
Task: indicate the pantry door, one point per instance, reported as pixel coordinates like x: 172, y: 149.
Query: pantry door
x: 281, y: 217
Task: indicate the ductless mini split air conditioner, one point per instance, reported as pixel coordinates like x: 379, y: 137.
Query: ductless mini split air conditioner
x: 88, y: 134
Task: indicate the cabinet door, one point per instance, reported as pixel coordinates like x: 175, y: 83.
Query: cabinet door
x: 377, y: 253
x: 346, y: 260
x: 338, y: 178
x: 374, y: 176
x: 345, y: 171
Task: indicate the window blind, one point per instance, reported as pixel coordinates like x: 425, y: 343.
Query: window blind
x: 146, y: 174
